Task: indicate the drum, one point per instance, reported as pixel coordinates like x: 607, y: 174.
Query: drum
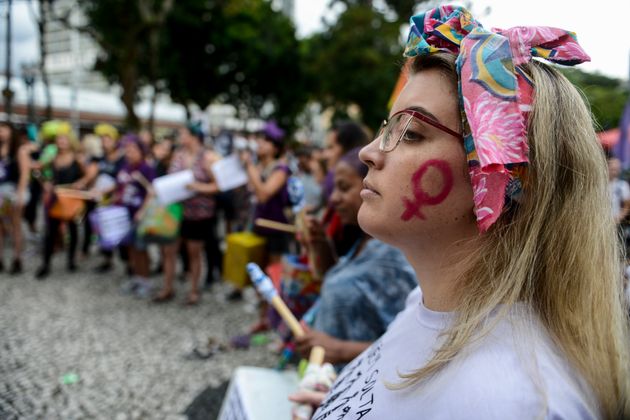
x: 67, y: 207
x: 112, y: 224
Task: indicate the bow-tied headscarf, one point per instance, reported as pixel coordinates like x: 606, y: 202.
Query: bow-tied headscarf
x: 495, y: 95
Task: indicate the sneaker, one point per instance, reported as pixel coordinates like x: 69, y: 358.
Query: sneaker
x: 129, y: 287
x: 16, y: 267
x: 1, y: 266
x: 42, y: 272
x: 234, y: 295
x: 71, y: 267
x: 103, y: 267
x: 144, y: 289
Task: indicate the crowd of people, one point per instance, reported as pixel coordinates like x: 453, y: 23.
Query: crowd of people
x: 105, y: 167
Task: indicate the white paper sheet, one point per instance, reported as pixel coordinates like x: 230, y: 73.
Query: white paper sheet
x: 259, y: 394
x: 171, y: 188
x: 104, y: 182
x: 229, y: 173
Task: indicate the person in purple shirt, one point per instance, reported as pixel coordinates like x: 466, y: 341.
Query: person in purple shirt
x: 132, y: 183
x: 268, y: 182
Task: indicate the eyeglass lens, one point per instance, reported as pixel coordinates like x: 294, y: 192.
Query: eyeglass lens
x: 393, y: 130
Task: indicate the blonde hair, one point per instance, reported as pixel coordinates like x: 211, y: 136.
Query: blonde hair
x: 52, y: 129
x: 556, y: 251
x: 104, y: 129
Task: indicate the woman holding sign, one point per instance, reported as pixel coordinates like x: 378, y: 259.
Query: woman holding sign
x: 199, y: 222
x: 489, y: 177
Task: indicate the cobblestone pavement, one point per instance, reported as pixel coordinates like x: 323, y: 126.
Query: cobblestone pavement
x: 72, y: 347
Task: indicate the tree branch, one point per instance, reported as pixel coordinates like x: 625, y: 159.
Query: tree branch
x: 64, y: 19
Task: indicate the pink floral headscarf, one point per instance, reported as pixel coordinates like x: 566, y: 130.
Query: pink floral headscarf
x: 495, y: 95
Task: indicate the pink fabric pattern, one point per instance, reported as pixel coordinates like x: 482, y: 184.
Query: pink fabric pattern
x: 495, y: 95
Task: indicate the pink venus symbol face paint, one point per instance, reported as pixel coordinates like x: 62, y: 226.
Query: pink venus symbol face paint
x: 421, y: 198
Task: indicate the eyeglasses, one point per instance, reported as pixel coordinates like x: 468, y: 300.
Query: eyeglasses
x: 393, y: 130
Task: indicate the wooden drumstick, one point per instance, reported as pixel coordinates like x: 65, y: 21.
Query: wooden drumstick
x: 272, y: 224
x: 72, y: 193
x: 265, y: 287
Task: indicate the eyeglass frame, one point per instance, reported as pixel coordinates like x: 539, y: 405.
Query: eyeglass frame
x: 421, y: 117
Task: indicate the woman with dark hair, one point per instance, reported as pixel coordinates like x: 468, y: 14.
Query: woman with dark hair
x: 198, y: 226
x: 15, y: 173
x: 268, y: 181
x: 364, y: 289
x: 343, y: 137
x: 132, y: 192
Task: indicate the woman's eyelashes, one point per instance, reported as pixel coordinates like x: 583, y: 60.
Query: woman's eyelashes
x: 412, y: 135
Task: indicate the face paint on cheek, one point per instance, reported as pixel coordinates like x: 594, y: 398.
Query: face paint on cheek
x: 421, y: 198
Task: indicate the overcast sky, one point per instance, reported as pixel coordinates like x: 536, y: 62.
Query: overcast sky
x: 603, y: 31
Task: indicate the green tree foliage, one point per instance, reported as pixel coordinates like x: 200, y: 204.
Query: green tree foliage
x: 127, y: 32
x: 356, y: 61
x: 402, y: 9
x: 606, y: 96
x: 238, y: 52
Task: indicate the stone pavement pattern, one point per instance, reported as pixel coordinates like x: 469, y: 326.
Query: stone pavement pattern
x: 129, y: 355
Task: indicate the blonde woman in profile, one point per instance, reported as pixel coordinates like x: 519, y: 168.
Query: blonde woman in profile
x: 496, y: 192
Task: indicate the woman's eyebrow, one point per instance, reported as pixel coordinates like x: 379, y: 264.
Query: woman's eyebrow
x: 424, y: 111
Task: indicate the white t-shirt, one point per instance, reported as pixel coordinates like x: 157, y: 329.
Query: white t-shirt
x: 619, y: 193
x: 494, y: 379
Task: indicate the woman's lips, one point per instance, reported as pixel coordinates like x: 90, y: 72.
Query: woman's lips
x: 368, y: 190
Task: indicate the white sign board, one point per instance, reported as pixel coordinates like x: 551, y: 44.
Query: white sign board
x: 259, y: 394
x: 171, y: 188
x: 229, y: 173
x: 104, y: 182
x: 113, y: 225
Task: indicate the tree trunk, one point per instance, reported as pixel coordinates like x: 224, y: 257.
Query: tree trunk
x: 42, y: 24
x: 129, y: 85
x: 151, y: 122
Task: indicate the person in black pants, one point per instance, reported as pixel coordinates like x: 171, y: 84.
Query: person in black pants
x: 65, y: 170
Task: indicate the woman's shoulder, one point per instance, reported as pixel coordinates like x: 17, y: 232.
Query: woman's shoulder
x: 281, y: 166
x: 520, y: 367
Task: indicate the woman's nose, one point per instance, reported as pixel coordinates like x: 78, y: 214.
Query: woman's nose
x: 371, y: 155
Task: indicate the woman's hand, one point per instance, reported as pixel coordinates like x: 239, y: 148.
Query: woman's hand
x: 313, y: 398
x: 48, y: 187
x: 246, y: 157
x: 139, y: 215
x: 313, y: 231
x: 195, y: 187
x: 79, y: 185
x: 313, y: 338
x: 20, y: 198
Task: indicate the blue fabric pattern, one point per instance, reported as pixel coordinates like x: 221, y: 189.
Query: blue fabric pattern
x: 361, y: 296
